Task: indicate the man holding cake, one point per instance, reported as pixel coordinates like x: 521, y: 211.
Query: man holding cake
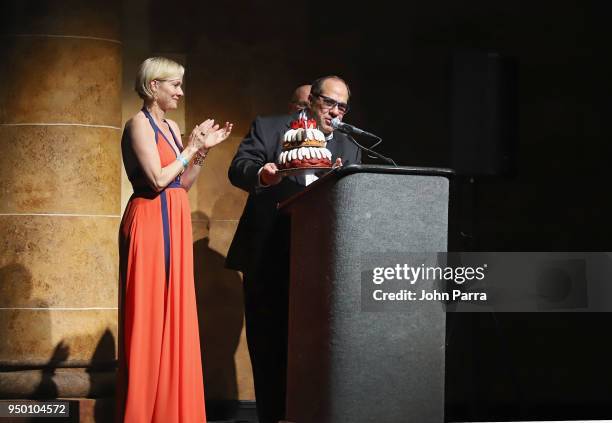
x: 273, y: 162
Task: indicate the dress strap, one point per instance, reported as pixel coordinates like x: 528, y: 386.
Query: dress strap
x: 152, y: 122
x: 180, y: 147
x: 177, y: 181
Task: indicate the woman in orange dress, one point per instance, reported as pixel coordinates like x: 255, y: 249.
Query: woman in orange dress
x: 160, y: 369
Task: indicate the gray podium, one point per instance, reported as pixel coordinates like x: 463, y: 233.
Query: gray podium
x: 345, y: 364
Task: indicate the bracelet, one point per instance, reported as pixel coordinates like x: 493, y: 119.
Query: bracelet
x: 183, y: 160
x: 198, y: 160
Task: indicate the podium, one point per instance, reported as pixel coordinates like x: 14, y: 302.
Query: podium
x: 346, y: 364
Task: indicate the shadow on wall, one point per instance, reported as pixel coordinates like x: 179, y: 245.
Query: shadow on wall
x: 25, y: 338
x: 48, y: 388
x: 91, y: 379
x: 220, y: 315
x: 102, y: 378
x: 24, y: 335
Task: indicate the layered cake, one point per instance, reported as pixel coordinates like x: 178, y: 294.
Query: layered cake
x: 303, y: 146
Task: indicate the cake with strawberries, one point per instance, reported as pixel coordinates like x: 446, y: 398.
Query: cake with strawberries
x: 303, y: 146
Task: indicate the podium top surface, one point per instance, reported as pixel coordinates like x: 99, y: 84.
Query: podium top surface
x: 398, y: 170
x: 343, y: 171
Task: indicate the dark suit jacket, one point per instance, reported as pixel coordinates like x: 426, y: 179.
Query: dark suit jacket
x: 259, y: 233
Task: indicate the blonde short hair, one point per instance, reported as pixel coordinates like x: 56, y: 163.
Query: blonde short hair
x: 153, y: 68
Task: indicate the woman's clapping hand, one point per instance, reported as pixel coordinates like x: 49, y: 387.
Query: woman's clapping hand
x: 208, y: 134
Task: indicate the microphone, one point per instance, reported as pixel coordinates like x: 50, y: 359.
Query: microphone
x: 349, y: 129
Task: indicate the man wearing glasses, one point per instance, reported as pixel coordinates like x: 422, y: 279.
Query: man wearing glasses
x: 260, y: 249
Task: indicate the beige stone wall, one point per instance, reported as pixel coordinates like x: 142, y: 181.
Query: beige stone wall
x: 216, y: 207
x: 60, y: 196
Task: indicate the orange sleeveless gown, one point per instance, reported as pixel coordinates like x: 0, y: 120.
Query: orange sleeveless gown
x: 160, y: 368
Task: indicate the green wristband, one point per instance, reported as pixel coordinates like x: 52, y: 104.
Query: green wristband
x: 183, y: 160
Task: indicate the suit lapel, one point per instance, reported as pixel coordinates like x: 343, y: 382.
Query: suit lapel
x: 332, y: 146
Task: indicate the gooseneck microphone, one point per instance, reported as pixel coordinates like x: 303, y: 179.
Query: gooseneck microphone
x: 350, y: 129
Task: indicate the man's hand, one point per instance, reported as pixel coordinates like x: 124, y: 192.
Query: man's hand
x: 268, y: 175
x: 338, y: 163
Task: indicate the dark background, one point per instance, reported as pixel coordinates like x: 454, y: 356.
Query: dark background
x: 397, y: 60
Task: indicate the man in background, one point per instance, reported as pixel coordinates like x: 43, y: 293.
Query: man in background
x: 299, y: 99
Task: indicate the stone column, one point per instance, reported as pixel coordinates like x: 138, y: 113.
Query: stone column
x: 60, y: 170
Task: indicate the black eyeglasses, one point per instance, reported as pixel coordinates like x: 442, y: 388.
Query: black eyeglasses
x: 330, y: 103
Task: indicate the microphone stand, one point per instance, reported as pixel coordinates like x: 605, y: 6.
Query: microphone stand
x: 372, y: 152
